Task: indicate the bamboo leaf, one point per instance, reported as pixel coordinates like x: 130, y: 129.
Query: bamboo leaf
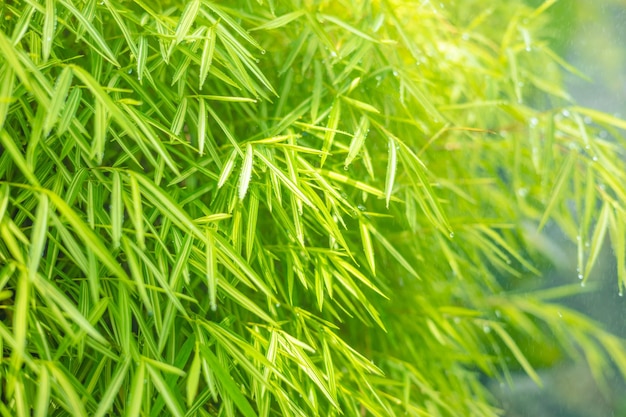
x: 58, y: 100
x: 357, y: 141
x: 207, y: 55
x: 392, y: 163
x: 597, y: 241
x: 517, y: 353
x: 47, y: 36
x: 558, y: 188
x: 329, y: 136
x: 113, y: 389
x: 38, y: 237
x: 166, y: 392
x: 103, y: 49
x: 227, y: 384
x: 246, y: 172
x: 186, y: 20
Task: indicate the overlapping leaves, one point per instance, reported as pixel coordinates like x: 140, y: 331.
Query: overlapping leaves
x: 280, y: 209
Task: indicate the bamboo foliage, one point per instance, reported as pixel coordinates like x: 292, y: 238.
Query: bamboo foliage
x: 290, y: 208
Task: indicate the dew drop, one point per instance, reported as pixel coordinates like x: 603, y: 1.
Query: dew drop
x: 560, y: 314
x: 262, y: 51
x: 486, y: 329
x: 580, y: 276
x: 582, y: 284
x: 522, y: 192
x: 277, y: 305
x: 620, y: 293
x: 451, y: 235
x: 346, y: 167
x: 534, y: 121
x: 595, y: 158
x: 565, y: 113
x: 361, y: 207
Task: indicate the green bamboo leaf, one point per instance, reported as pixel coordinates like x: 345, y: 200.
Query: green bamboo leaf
x: 85, y: 24
x: 6, y: 93
x: 226, y: 131
x: 179, y: 117
x: 38, y: 237
x: 207, y: 55
x: 357, y: 141
x: 360, y: 105
x: 136, y: 212
x: 556, y: 193
x: 232, y: 23
x: 201, y: 125
x: 12, y: 58
x: 367, y: 245
x: 230, y: 292
x: 393, y: 251
x: 517, y: 353
x: 194, y: 377
x: 597, y: 241
x: 281, y: 21
x: 58, y: 100
x: 20, y: 317
x: 17, y: 157
x: 186, y: 21
x: 86, y: 234
x: 113, y: 389
x: 333, y: 122
x: 227, y: 384
x: 211, y: 270
x: 71, y: 397
x: 49, y: 290
x: 47, y: 35
x: 349, y: 28
x: 128, y: 36
x: 392, y: 162
x: 142, y: 57
x: 166, y: 392
x: 166, y: 205
x: 286, y: 181
x: 133, y: 407
x: 105, y: 99
x: 227, y: 169
x: 617, y: 231
x: 251, y: 227
x: 246, y: 172
x: 116, y: 209
x: 42, y: 402
x: 69, y: 111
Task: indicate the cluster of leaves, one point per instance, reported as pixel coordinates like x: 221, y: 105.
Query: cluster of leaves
x: 288, y: 207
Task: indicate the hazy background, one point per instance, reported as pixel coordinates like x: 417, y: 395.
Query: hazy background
x: 591, y: 35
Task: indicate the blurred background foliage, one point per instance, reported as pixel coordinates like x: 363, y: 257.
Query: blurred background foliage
x: 590, y: 35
